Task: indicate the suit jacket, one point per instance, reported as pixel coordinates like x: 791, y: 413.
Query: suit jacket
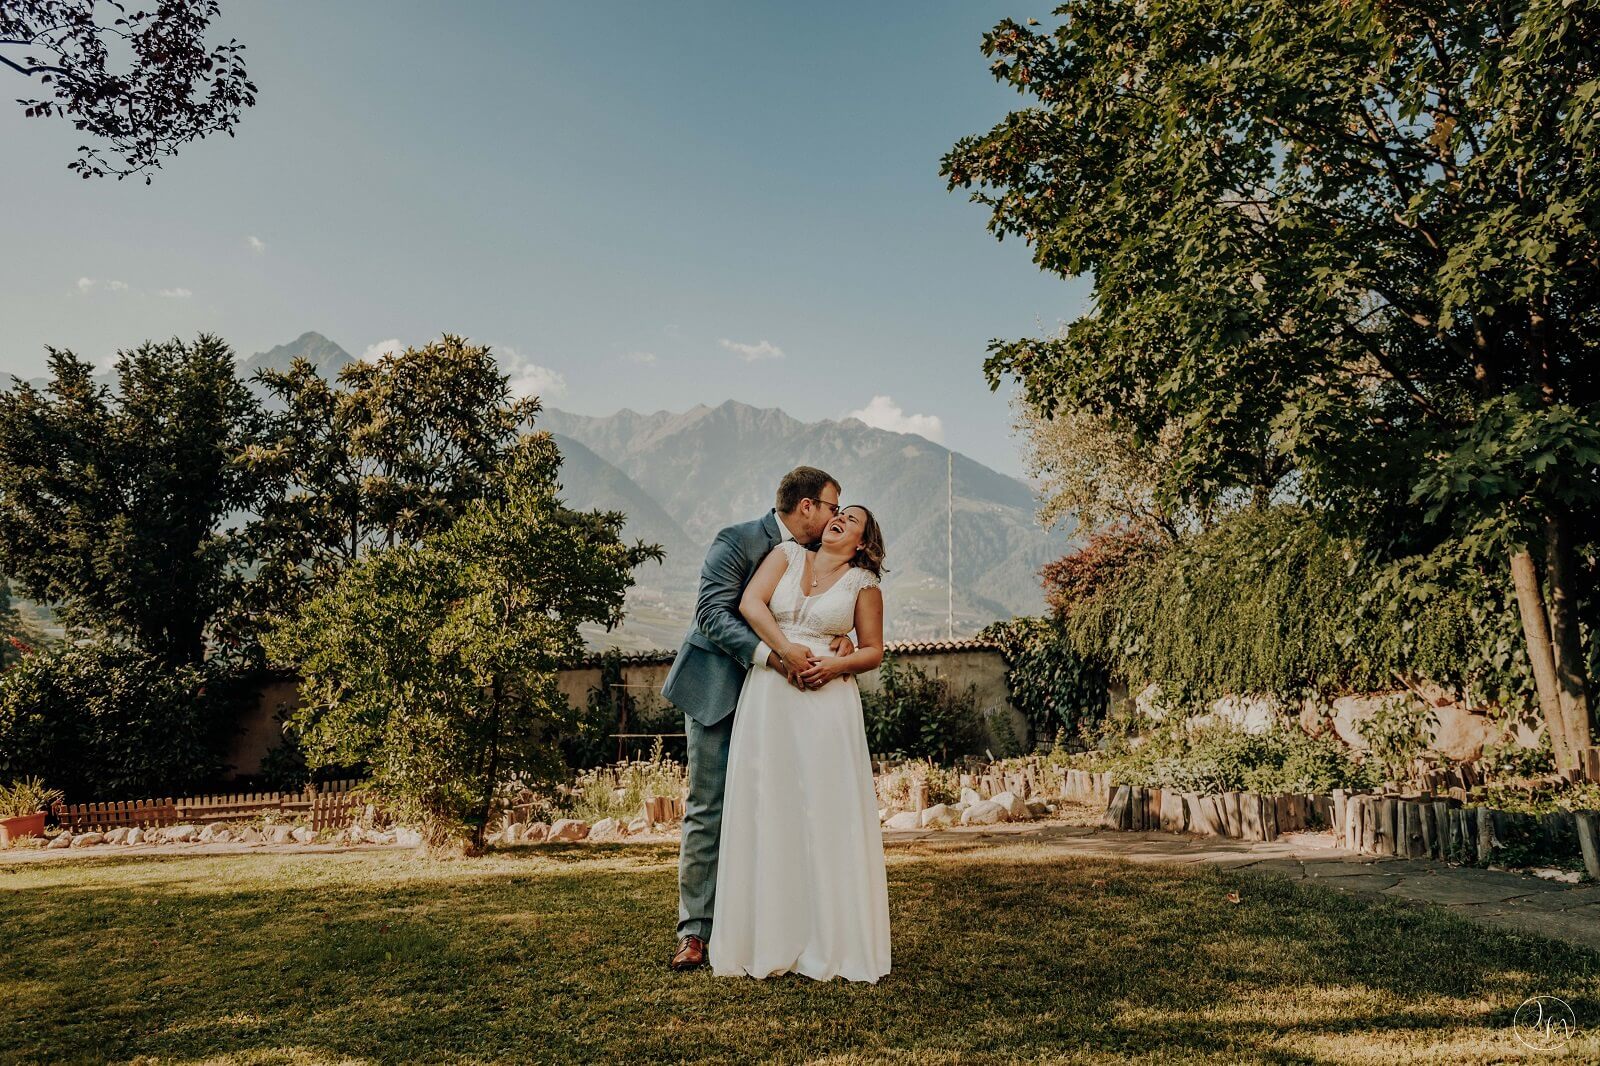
x: 708, y: 673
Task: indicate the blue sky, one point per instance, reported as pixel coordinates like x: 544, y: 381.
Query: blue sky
x: 643, y: 205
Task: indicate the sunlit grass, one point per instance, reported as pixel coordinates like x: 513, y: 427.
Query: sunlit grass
x: 558, y: 954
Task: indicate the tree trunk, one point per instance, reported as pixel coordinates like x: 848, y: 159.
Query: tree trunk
x: 480, y: 830
x: 1566, y: 641
x: 1536, y: 633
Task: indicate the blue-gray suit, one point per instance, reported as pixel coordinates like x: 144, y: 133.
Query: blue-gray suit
x: 704, y: 684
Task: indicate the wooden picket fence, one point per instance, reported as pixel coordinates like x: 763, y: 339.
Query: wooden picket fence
x: 329, y: 806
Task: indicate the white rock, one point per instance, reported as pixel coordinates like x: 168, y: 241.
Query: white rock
x: 605, y: 831
x: 512, y: 833
x: 938, y: 815
x: 639, y: 824
x: 251, y: 835
x: 280, y: 834
x: 536, y: 832
x: 117, y: 836
x: 218, y: 827
x: 179, y: 834
x: 222, y: 836
x: 970, y: 796
x: 135, y: 836
x: 88, y: 840
x: 569, y: 829
x: 1570, y: 877
x: 303, y: 835
x: 378, y: 837
x: 883, y: 813
x: 904, y: 820
x: 1011, y: 803
x: 407, y: 837
x: 60, y: 840
x: 983, y: 813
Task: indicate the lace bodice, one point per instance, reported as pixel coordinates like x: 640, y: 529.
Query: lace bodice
x: 809, y: 619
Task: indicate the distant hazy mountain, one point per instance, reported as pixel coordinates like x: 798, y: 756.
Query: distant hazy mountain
x: 323, y: 354
x: 710, y: 466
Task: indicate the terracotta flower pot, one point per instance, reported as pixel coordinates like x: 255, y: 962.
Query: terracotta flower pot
x: 22, y: 826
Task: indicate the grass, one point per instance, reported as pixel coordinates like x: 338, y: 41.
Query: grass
x: 557, y: 954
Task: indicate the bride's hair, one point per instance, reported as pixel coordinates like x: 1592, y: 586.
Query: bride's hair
x: 869, y: 553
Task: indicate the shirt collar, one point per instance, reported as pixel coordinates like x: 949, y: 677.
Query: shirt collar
x: 783, y: 530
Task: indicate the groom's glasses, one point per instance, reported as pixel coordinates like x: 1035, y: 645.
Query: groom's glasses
x: 833, y: 508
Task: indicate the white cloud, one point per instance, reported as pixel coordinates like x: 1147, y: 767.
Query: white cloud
x: 85, y: 284
x: 117, y: 286
x: 527, y: 377
x: 642, y: 358
x: 752, y: 353
x: 257, y: 245
x: 884, y: 413
x: 177, y: 294
x: 88, y: 285
x: 391, y: 346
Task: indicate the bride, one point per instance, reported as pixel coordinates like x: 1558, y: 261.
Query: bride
x: 800, y: 884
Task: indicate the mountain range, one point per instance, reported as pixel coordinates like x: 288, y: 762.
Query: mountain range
x: 682, y: 476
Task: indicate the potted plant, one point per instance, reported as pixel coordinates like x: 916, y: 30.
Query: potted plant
x: 22, y: 809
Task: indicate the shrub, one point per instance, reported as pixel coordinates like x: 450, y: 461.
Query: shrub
x: 103, y: 721
x: 620, y: 791
x: 921, y: 716
x: 1220, y: 757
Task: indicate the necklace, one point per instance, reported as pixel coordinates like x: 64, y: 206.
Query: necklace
x: 815, y: 580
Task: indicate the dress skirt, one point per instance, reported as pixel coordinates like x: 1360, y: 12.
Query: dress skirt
x: 801, y: 885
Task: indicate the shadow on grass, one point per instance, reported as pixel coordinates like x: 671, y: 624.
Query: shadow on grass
x: 559, y: 954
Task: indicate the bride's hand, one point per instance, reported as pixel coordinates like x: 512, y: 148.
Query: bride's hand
x: 823, y: 670
x: 797, y: 658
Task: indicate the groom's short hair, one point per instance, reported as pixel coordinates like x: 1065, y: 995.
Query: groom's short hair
x: 802, y: 483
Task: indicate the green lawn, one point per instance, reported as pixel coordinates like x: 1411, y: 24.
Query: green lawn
x: 558, y: 954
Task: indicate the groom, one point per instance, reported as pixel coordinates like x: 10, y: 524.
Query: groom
x: 708, y: 673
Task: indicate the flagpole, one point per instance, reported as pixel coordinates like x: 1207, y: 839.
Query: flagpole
x: 950, y: 545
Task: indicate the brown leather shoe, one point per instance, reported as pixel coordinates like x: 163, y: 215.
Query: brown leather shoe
x: 691, y: 954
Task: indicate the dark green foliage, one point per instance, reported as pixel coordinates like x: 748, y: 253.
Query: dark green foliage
x: 111, y: 504
x: 101, y: 721
x: 920, y: 716
x: 436, y: 665
x: 1060, y: 688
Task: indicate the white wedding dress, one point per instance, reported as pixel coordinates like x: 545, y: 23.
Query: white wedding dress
x: 801, y: 885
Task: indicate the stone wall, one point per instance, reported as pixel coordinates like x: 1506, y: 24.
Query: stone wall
x: 964, y: 662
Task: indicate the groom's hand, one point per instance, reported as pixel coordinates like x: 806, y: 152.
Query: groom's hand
x: 797, y: 659
x: 775, y: 661
x: 842, y: 646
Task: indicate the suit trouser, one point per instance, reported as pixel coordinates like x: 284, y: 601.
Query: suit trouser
x: 702, y: 824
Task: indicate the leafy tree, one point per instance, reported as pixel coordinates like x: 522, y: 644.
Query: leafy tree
x: 392, y: 451
x: 1349, y: 237
x: 174, y: 90
x: 111, y: 502
x: 436, y: 665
